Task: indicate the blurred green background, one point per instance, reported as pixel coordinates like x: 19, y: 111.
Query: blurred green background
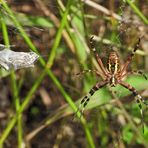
x: 38, y: 104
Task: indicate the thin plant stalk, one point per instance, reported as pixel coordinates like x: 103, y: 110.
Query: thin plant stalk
x: 14, y: 87
x: 137, y: 11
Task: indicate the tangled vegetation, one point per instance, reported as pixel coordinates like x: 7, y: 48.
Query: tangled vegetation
x: 39, y: 104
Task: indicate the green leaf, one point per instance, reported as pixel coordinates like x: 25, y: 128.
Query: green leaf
x: 127, y: 134
x: 27, y: 20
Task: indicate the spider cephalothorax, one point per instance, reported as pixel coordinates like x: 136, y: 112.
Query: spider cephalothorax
x: 113, y: 68
x: 113, y: 74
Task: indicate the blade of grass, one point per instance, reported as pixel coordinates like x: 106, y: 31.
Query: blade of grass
x: 30, y: 21
x: 28, y: 40
x: 14, y: 86
x: 27, y: 100
x: 137, y: 11
x: 48, y: 13
x: 50, y: 74
x: 75, y: 23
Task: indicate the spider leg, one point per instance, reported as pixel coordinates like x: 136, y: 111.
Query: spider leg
x: 87, y: 71
x: 97, y: 56
x: 86, y: 98
x: 129, y: 59
x: 139, y: 72
x: 138, y: 98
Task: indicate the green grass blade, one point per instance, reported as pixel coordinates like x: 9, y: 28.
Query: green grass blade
x: 30, y: 21
x: 137, y: 11
x: 14, y: 87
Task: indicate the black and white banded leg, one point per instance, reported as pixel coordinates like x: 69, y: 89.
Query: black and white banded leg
x: 86, y: 98
x: 130, y: 57
x: 92, y: 46
x: 140, y: 72
x: 138, y: 98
